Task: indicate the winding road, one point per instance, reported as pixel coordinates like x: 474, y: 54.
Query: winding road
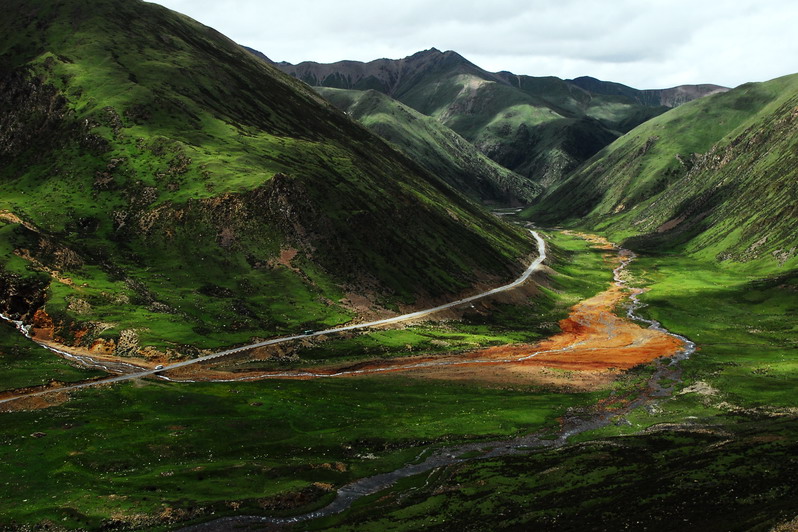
x: 660, y: 384
x: 533, y: 267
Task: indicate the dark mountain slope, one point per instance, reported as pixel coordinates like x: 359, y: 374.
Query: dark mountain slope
x: 398, y: 78
x: 717, y: 177
x: 161, y: 186
x: 527, y: 124
x: 439, y: 149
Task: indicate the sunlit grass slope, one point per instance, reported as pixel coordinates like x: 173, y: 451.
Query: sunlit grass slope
x: 717, y: 177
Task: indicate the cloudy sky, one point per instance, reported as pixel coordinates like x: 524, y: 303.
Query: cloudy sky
x: 642, y: 43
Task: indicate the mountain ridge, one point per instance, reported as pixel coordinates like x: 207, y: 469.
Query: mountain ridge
x: 538, y: 127
x: 316, y: 74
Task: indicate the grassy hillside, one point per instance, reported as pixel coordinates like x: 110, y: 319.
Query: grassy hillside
x: 719, y: 453
x: 160, y: 186
x: 539, y: 130
x: 715, y: 177
x: 434, y: 146
x: 539, y: 127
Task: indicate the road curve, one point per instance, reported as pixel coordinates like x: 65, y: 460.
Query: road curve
x: 535, y: 266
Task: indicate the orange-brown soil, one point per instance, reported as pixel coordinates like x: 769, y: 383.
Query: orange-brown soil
x: 35, y: 402
x: 593, y: 347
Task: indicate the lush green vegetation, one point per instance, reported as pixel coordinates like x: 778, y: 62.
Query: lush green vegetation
x: 161, y: 187
x: 436, y: 147
x: 261, y: 447
x: 139, y: 448
x: 717, y: 455
x: 741, y: 321
x: 188, y: 195
x: 714, y: 178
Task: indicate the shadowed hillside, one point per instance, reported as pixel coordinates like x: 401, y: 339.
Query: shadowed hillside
x: 539, y: 127
x: 160, y: 186
x: 436, y: 147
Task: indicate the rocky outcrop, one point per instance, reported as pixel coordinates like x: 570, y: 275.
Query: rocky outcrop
x: 35, y: 118
x: 21, y: 297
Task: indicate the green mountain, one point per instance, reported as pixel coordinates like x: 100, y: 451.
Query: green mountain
x: 160, y: 186
x: 436, y: 147
x: 716, y: 176
x: 539, y: 127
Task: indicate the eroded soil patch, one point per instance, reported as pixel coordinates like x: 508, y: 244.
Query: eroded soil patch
x: 594, y: 345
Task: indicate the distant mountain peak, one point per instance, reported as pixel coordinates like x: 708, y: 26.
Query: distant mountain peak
x: 669, y: 97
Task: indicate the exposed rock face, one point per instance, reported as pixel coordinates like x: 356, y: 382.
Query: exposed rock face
x: 35, y: 118
x: 30, y: 113
x: 677, y: 96
x: 21, y: 298
x: 128, y: 344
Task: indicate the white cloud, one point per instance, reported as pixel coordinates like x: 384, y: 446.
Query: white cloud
x: 647, y: 44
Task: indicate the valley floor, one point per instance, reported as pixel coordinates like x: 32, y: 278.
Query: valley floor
x: 718, y: 454
x: 152, y: 454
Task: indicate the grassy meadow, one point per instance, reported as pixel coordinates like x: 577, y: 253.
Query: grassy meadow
x: 716, y: 455
x: 149, y: 453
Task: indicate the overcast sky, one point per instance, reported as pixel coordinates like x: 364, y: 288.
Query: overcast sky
x: 642, y: 43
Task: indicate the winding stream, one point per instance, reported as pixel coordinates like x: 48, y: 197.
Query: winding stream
x: 348, y: 494
x: 572, y: 425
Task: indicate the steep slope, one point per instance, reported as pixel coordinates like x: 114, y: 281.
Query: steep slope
x: 539, y: 127
x: 160, y: 186
x: 439, y: 149
x: 717, y: 177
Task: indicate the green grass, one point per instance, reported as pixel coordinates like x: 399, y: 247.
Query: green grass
x: 716, y: 482
x: 433, y: 145
x: 137, y: 448
x: 140, y: 447
x: 167, y: 198
x: 713, y: 178
x: 722, y: 460
x: 23, y: 363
